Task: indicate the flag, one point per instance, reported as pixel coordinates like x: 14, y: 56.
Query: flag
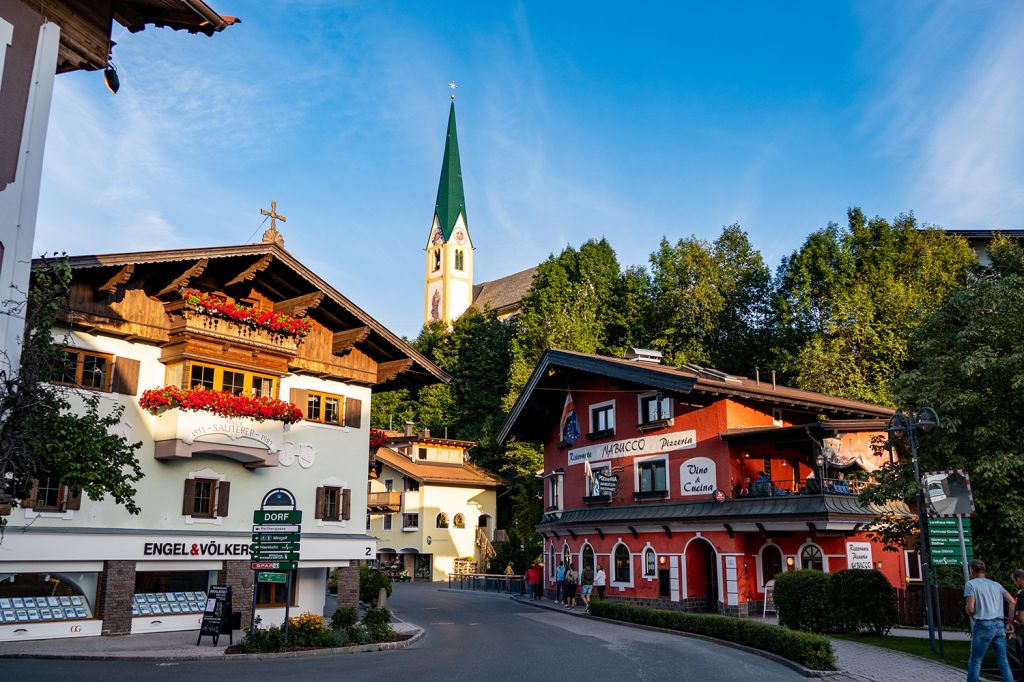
x: 588, y: 474
x: 569, y: 426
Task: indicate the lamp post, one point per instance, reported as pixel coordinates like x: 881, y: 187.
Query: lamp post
x: 909, y: 423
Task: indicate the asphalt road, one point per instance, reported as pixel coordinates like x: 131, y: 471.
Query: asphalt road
x: 468, y: 636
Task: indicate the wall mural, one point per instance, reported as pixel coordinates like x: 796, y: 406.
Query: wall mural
x: 435, y: 305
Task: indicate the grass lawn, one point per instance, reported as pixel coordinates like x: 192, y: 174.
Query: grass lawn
x: 957, y: 653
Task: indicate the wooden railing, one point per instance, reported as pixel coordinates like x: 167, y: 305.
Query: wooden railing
x: 483, y: 543
x: 385, y: 501
x: 184, y: 319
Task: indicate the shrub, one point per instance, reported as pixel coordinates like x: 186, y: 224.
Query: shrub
x: 376, y: 616
x: 803, y: 599
x: 813, y: 651
x: 358, y: 634
x: 370, y: 582
x: 343, y: 619
x: 862, y: 598
x: 380, y: 632
x: 263, y: 640
x: 309, y: 630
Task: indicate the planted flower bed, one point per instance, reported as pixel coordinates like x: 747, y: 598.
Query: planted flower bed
x: 310, y: 631
x: 215, y: 306
x: 222, y: 403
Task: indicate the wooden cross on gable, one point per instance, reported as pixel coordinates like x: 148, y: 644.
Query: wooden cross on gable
x: 272, y: 236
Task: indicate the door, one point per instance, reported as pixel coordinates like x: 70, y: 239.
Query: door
x: 711, y: 577
x: 664, y: 583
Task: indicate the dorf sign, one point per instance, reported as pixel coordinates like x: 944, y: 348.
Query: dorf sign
x: 633, y: 447
x: 276, y: 516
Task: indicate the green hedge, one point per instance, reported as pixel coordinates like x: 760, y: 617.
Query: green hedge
x: 813, y: 651
x: 370, y: 582
x: 845, y: 601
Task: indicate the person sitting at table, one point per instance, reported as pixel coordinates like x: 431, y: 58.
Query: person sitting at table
x: 839, y: 486
x: 762, y: 487
x: 812, y: 484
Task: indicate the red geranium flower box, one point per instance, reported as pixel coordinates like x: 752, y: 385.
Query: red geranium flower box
x: 222, y: 403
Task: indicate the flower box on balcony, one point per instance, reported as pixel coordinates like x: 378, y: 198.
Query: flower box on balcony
x: 222, y: 403
x: 181, y: 434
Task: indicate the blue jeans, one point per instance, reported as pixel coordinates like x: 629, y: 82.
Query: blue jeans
x: 988, y: 632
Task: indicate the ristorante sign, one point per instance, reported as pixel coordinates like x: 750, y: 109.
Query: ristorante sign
x: 633, y: 447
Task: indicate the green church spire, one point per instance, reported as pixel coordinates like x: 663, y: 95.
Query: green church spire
x: 451, y: 200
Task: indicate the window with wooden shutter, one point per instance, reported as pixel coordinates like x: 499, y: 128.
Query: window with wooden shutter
x: 126, y: 376
x: 353, y: 412
x: 319, y: 508
x: 346, y: 504
x: 74, y: 500
x: 223, y: 497
x: 300, y: 397
x: 189, y: 497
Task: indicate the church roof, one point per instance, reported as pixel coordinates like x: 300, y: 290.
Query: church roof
x: 451, y: 199
x: 500, y: 294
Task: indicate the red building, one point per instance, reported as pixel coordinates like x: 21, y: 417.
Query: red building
x: 693, y: 488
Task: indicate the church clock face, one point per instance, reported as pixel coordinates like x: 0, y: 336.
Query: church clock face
x: 460, y: 237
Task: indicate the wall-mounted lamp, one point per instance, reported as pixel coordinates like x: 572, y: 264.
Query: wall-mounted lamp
x: 746, y: 567
x: 790, y: 562
x: 111, y: 79
x: 661, y: 560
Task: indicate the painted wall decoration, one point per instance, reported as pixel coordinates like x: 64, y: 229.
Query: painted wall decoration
x: 435, y: 305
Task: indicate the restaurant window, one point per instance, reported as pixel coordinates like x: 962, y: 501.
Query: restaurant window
x: 386, y: 523
x: 206, y: 498
x: 274, y: 595
x: 324, y: 408
x: 771, y: 563
x: 602, y: 417
x: 459, y: 260
x: 237, y: 382
x: 442, y: 520
x: 459, y: 521
x: 652, y: 476
x: 554, y: 492
x: 410, y: 521
x: 588, y: 558
x: 622, y: 566
x: 811, y: 557
x: 650, y: 562
x: 912, y: 559
x: 654, y: 408
x: 85, y: 369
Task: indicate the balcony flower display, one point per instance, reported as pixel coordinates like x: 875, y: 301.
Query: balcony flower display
x: 377, y: 438
x: 222, y: 403
x: 215, y: 306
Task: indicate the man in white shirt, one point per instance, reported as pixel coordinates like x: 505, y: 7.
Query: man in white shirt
x: 986, y: 605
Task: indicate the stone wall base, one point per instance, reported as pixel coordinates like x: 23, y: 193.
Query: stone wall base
x: 348, y: 587
x: 114, y: 603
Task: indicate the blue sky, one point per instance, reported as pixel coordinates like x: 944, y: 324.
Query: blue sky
x: 576, y: 119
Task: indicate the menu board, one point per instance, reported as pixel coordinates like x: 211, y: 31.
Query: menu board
x: 31, y: 609
x: 168, y: 603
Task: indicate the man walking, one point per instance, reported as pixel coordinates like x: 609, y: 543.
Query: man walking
x: 986, y: 605
x: 560, y: 583
x: 1018, y: 615
x: 586, y: 586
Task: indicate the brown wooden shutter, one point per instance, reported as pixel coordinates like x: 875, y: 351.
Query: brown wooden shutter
x: 33, y: 492
x: 74, y: 500
x: 126, y: 376
x: 353, y: 412
x: 346, y: 504
x: 319, y: 508
x: 223, y: 496
x: 188, y: 500
x: 300, y: 397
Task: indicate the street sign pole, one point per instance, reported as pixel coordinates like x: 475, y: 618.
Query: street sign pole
x: 963, y: 546
x: 287, y: 602
x: 276, y: 534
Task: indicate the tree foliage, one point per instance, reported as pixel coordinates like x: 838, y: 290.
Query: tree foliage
x: 54, y: 430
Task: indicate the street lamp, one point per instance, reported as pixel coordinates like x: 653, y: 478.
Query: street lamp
x: 908, y: 424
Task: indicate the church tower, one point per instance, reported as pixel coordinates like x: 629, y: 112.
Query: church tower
x: 449, y: 274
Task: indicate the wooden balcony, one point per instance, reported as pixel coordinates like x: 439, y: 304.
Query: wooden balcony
x: 384, y: 502
x: 185, y: 321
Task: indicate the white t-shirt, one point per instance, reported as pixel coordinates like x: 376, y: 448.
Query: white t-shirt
x: 600, y: 578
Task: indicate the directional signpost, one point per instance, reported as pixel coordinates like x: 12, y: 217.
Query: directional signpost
x: 945, y: 541
x: 950, y: 508
x: 276, y: 536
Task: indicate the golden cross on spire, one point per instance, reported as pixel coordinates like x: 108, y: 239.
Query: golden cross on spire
x: 272, y: 236
x: 452, y: 85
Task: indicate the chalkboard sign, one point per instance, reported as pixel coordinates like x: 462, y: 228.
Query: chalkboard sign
x: 217, y: 618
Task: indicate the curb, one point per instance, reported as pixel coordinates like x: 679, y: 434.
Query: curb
x: 792, y: 665
x: 336, y: 651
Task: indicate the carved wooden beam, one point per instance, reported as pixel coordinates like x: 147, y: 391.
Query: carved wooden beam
x: 386, y: 371
x: 250, y: 272
x: 299, y: 304
x: 183, y: 280
x: 346, y: 340
x: 111, y: 285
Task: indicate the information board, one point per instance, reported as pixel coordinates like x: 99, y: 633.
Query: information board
x: 217, y: 616
x: 944, y: 541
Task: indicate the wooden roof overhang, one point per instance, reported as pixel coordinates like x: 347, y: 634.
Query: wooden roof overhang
x: 802, y: 433
x: 530, y: 418
x: 85, y: 25
x: 277, y: 274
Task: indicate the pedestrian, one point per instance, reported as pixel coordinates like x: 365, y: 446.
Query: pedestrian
x: 560, y: 583
x: 1018, y: 613
x: 985, y: 605
x: 539, y: 585
x: 531, y: 578
x: 600, y: 580
x: 570, y: 587
x: 586, y: 586
x: 509, y: 570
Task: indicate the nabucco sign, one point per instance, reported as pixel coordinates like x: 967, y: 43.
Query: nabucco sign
x: 633, y: 447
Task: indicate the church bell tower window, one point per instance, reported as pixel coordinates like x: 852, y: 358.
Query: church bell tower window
x: 437, y: 260
x: 459, y: 260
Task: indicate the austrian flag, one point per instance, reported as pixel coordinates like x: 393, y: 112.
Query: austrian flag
x: 570, y: 425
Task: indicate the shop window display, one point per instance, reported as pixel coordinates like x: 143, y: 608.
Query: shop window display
x: 170, y: 593
x: 37, y: 597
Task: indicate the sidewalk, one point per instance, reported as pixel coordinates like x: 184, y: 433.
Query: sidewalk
x: 856, y: 661
x: 919, y: 633
x: 165, y: 646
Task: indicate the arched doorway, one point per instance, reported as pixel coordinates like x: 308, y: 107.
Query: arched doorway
x: 771, y: 563
x: 484, y: 523
x: 587, y: 558
x: 702, y: 574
